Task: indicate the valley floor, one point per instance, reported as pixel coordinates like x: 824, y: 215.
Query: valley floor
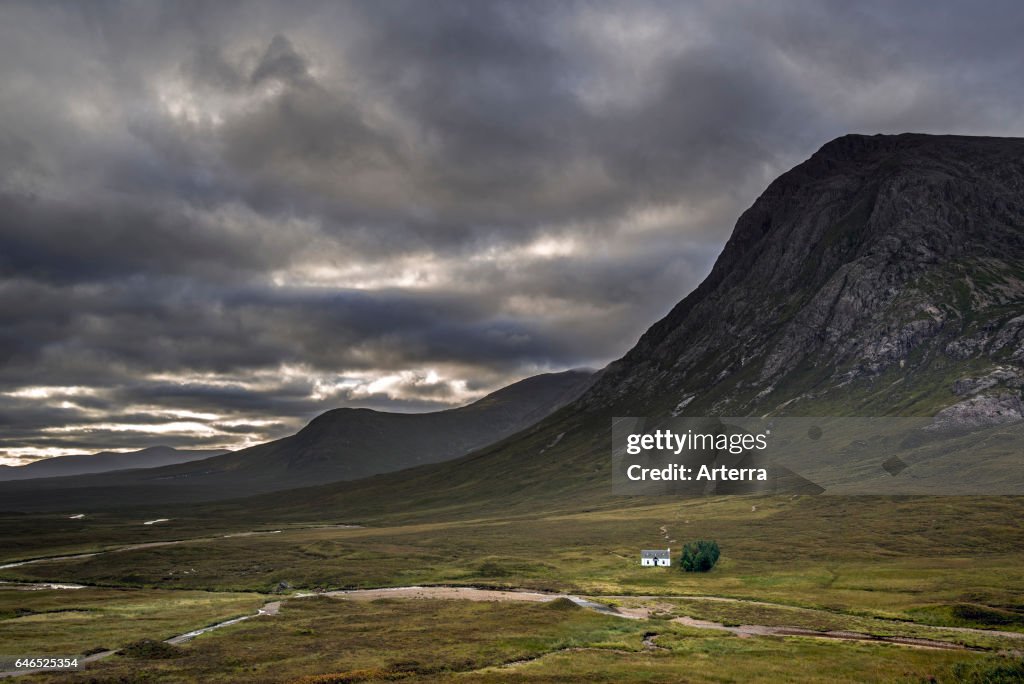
x: 808, y: 589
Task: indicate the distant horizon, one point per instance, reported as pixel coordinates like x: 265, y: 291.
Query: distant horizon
x: 108, y: 451
x: 132, y: 450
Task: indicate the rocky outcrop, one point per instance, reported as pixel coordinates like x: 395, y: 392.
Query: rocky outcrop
x: 1005, y: 376
x: 881, y: 259
x: 980, y: 411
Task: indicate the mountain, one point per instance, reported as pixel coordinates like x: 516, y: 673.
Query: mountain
x: 343, y: 444
x: 883, y: 276
x: 348, y: 444
x: 105, y: 461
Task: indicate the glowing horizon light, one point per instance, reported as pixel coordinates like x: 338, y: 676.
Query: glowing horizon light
x: 188, y: 428
x: 19, y: 456
x: 195, y: 428
x: 185, y: 414
x: 249, y: 422
x: 415, y: 272
x: 549, y: 247
x: 48, y: 391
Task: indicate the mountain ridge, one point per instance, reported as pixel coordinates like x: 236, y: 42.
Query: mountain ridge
x: 105, y: 461
x: 341, y: 444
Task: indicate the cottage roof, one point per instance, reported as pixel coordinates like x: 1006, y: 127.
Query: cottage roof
x: 655, y: 553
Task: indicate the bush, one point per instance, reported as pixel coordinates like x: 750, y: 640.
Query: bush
x: 150, y: 649
x: 562, y: 604
x: 492, y: 569
x: 993, y: 670
x: 699, y: 556
x: 985, y: 615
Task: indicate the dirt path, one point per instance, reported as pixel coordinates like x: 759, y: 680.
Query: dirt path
x: 464, y: 593
x: 747, y: 631
x: 744, y: 631
x: 643, y: 612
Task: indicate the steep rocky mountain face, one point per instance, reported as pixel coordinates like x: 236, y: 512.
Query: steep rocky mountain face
x: 883, y: 276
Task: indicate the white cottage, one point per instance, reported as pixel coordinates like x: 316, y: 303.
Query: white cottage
x: 656, y: 557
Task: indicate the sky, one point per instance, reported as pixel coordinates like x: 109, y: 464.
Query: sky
x: 220, y: 219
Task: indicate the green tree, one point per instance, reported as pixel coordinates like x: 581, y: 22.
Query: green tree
x: 699, y: 556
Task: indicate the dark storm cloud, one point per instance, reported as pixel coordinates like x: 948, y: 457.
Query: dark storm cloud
x: 218, y: 219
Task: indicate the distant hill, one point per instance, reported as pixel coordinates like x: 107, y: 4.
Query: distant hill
x: 343, y: 444
x: 105, y: 461
x: 348, y: 443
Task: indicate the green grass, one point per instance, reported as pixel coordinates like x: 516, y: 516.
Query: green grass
x: 705, y: 658
x: 972, y: 615
x: 71, y: 622
x: 25, y: 536
x: 879, y: 565
x: 733, y: 614
x: 870, y: 564
x: 459, y: 640
x: 877, y: 556
x: 398, y: 636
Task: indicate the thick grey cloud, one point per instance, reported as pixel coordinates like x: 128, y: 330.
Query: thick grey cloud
x: 219, y: 219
